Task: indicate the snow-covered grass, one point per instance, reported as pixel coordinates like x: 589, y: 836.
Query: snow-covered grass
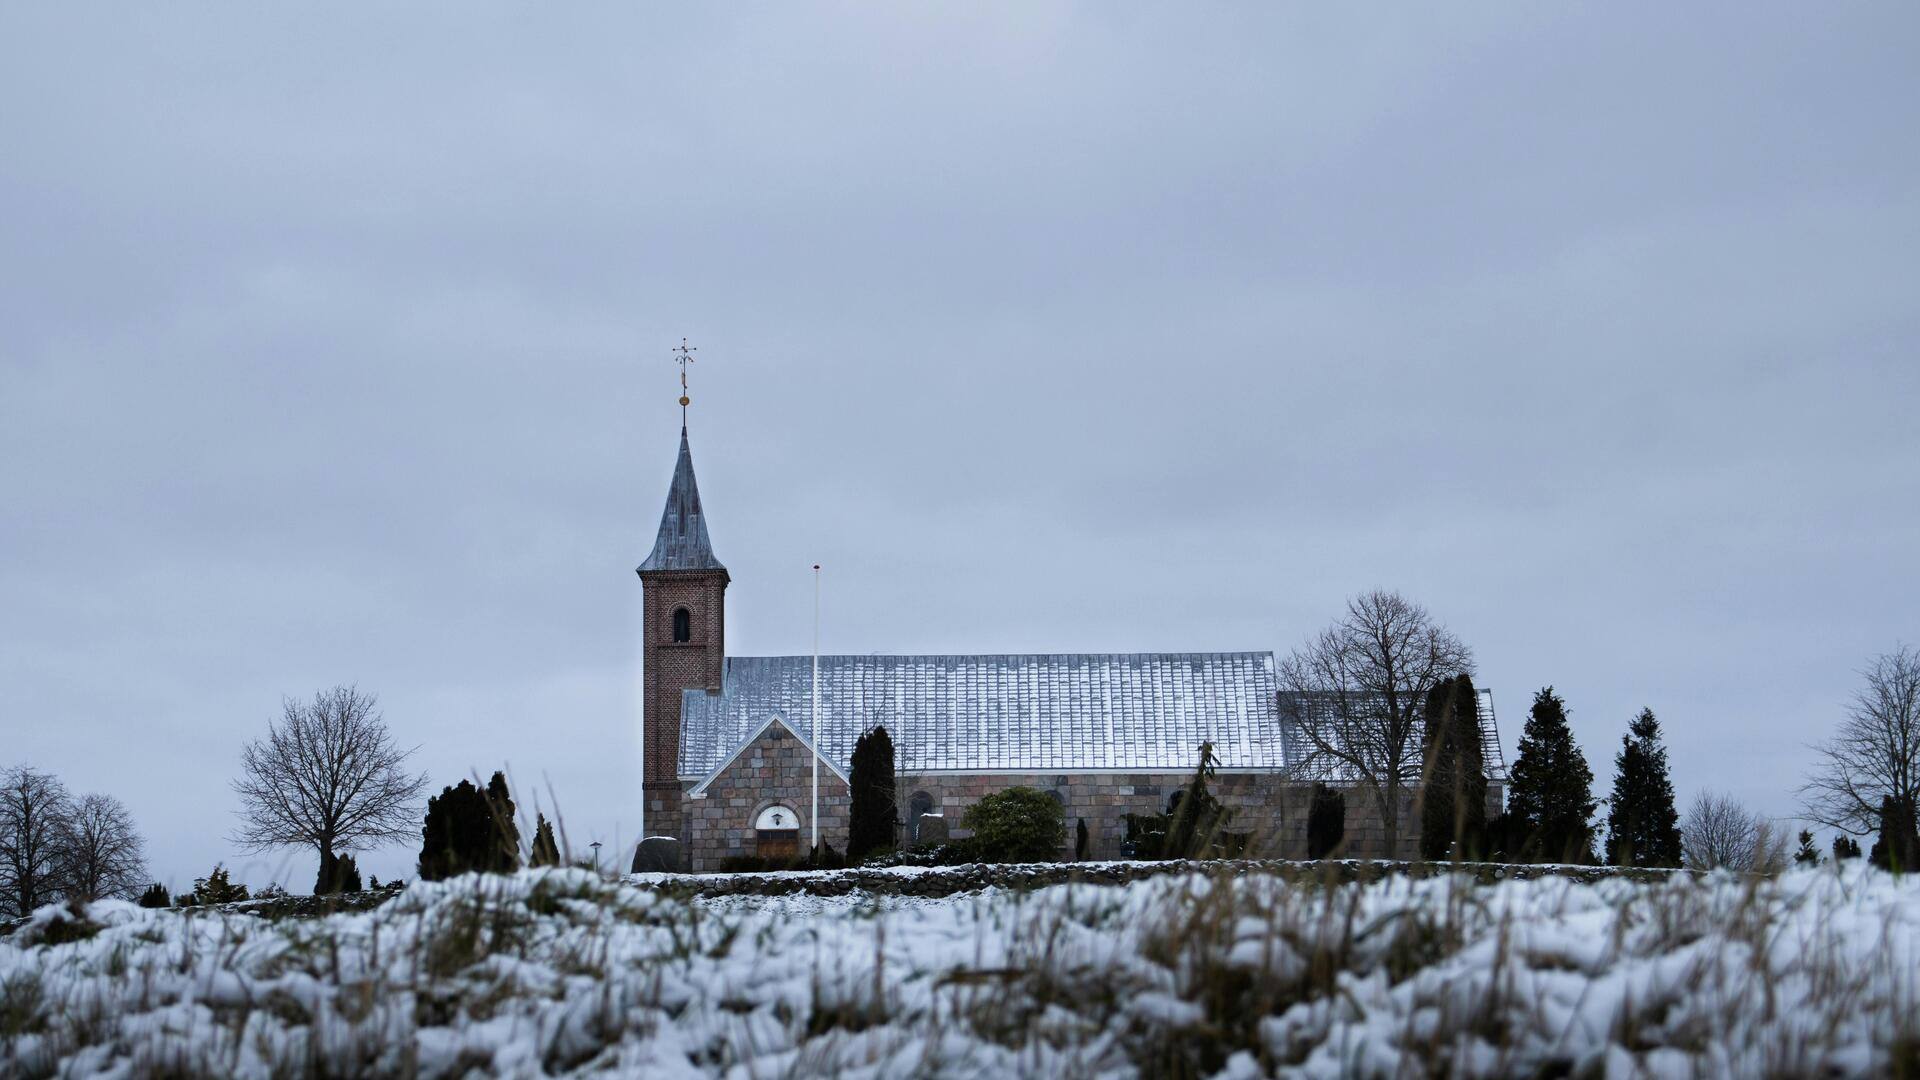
x: 1184, y: 975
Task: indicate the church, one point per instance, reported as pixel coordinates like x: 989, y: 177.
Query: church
x: 729, y: 757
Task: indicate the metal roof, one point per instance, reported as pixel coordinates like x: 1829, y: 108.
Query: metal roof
x: 682, y: 543
x: 1037, y: 712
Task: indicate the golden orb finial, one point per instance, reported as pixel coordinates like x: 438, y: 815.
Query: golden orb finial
x: 684, y: 356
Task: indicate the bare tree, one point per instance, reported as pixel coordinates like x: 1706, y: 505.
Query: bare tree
x: 34, y: 810
x: 1720, y: 833
x: 1876, y: 753
x: 1359, y: 691
x: 105, y: 856
x: 327, y: 776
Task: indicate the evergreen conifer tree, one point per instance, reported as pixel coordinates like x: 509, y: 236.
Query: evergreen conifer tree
x: 337, y: 875
x: 1897, y: 847
x: 871, y: 812
x: 436, y: 836
x: 216, y: 888
x: 1453, y: 804
x: 1550, y: 800
x: 545, y: 852
x: 1845, y: 847
x: 469, y: 828
x: 1326, y: 821
x: 155, y: 897
x: 504, y: 851
x: 1642, y: 825
x: 1808, y: 855
x: 1194, y: 827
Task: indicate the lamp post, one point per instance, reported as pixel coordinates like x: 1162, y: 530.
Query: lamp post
x: 815, y: 816
x: 596, y: 855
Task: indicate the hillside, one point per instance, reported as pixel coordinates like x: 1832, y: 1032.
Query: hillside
x: 1182, y: 974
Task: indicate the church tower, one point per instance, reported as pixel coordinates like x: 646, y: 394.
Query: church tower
x: 684, y: 588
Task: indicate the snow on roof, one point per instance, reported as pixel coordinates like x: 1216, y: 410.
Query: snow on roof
x: 1040, y: 712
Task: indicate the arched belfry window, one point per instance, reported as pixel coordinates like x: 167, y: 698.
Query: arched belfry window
x: 682, y: 624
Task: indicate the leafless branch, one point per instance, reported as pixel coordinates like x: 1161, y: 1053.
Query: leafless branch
x: 34, y: 810
x: 1875, y: 754
x: 327, y: 776
x: 1360, y: 689
x: 1720, y: 833
x: 105, y: 855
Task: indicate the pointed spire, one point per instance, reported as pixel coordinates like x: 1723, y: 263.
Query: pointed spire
x: 682, y: 543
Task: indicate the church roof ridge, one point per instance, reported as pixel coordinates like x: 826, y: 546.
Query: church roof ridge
x: 682, y: 543
x: 1107, y: 656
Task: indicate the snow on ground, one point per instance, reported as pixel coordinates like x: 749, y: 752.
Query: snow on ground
x: 561, y: 971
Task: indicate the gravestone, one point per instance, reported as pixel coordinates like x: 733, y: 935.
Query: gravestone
x: 659, y: 855
x: 933, y: 830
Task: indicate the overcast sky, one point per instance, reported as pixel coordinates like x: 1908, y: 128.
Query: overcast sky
x: 335, y: 349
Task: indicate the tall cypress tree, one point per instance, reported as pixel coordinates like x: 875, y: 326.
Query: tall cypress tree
x: 1326, y: 821
x: 545, y: 852
x: 870, y: 814
x: 1195, y: 827
x: 1642, y: 825
x: 1550, y: 800
x: 1453, y: 804
x: 1897, y: 847
x: 503, y: 850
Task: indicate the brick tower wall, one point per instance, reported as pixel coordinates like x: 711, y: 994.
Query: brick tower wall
x: 670, y: 668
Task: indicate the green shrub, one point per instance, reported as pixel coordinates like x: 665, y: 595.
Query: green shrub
x: 952, y: 853
x: 1020, y: 824
x: 215, y: 888
x: 340, y: 874
x: 1146, y: 836
x: 155, y: 897
x: 825, y: 859
x: 470, y: 828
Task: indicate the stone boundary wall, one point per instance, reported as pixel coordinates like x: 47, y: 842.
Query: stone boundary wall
x: 1271, y: 807
x: 943, y: 881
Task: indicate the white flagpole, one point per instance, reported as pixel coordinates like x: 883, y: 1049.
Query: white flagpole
x: 815, y: 816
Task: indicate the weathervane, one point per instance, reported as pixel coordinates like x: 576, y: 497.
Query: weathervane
x: 684, y: 356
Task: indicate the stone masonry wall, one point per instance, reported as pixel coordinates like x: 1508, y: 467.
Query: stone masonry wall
x: 1273, y: 808
x: 1269, y: 806
x: 774, y: 768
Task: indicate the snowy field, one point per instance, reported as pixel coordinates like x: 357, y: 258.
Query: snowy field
x: 1813, y: 973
